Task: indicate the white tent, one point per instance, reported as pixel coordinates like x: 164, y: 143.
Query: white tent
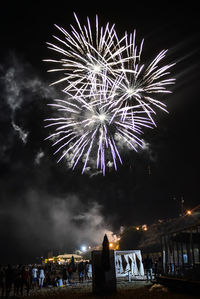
x: 129, y: 262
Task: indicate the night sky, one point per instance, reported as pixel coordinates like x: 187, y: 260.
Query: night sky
x: 47, y: 206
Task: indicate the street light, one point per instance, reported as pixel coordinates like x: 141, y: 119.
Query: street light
x: 83, y: 248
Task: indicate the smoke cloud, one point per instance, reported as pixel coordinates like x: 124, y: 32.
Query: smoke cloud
x: 53, y: 223
x: 37, y: 209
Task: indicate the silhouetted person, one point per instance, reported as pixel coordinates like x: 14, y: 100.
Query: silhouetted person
x: 155, y: 268
x: 90, y: 270
x: 25, y: 280
x: 70, y: 271
x: 41, y: 277
x: 81, y: 269
x: 17, y: 280
x: 64, y: 275
x: 148, y: 264
x: 9, y: 279
x: 2, y: 280
x: 72, y: 262
x: 86, y: 270
x: 34, y: 274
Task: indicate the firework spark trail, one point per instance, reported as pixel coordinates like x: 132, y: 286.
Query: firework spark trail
x: 138, y: 83
x: 85, y: 59
x: 109, y: 94
x: 84, y: 126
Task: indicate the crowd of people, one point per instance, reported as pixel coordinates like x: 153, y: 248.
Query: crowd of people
x: 20, y: 279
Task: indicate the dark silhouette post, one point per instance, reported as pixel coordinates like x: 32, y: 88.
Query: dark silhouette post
x: 103, y: 270
x: 105, y: 254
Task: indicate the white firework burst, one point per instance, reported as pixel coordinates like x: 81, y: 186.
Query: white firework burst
x: 92, y: 128
x: 139, y: 83
x: 87, y: 54
x: 110, y: 94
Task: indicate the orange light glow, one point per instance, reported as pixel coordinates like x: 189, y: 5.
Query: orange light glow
x: 144, y: 227
x: 189, y: 212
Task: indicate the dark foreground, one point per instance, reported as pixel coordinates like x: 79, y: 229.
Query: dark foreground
x: 134, y: 289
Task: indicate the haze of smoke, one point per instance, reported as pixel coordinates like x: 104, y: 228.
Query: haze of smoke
x: 20, y: 79
x: 54, y: 223
x: 21, y: 85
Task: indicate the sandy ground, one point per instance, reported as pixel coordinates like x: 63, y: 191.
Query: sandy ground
x: 125, y: 289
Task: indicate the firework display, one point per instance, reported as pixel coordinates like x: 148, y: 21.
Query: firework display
x: 108, y: 94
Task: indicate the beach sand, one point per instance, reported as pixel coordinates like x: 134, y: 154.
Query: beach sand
x: 125, y: 289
